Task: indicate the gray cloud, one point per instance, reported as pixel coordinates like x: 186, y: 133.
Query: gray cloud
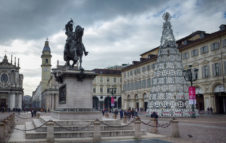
x: 31, y: 19
x: 34, y: 19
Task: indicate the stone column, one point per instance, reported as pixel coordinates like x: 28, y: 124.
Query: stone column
x: 175, y: 129
x: 97, y: 129
x: 212, y: 102
x: 12, y: 101
x: 133, y: 103
x: 126, y: 104
x: 52, y: 101
x: 16, y: 100
x: 141, y: 103
x: 54, y: 107
x: 50, y: 131
x: 206, y: 101
x: 20, y: 101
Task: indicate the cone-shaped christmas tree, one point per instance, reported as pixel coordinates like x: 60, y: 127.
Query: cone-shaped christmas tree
x: 169, y: 92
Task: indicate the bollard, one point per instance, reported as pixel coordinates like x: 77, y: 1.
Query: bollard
x: 96, y: 134
x: 50, y: 131
x: 154, y: 129
x: 7, y: 128
x: 2, y: 132
x: 175, y: 129
x: 11, y: 122
x: 38, y: 115
x: 124, y: 120
x: 137, y: 128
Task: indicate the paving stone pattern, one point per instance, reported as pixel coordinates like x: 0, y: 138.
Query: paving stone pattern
x: 138, y: 141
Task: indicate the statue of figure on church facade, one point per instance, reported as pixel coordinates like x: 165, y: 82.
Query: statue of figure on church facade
x: 74, y: 47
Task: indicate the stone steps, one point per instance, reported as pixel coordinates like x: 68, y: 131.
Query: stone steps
x: 38, y: 123
x: 78, y: 134
x: 28, y: 126
x: 77, y: 122
x: 17, y: 135
x: 80, y: 131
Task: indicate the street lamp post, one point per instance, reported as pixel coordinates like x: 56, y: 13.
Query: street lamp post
x: 188, y: 76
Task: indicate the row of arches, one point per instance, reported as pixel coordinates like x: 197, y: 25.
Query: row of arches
x: 138, y: 102
x: 106, y: 103
x: 214, y: 97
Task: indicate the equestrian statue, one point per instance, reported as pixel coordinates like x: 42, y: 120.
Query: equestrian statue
x: 74, y: 48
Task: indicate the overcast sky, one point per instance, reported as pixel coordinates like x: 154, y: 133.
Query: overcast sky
x: 116, y: 31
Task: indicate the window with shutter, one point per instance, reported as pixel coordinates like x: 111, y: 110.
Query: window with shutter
x: 194, y: 52
x: 208, y: 70
x: 212, y: 47
x: 216, y: 69
x: 203, y: 72
x: 148, y: 67
x: 220, y: 69
x: 224, y: 43
x: 204, y: 50
x: 101, y: 90
x: 215, y: 46
x: 213, y: 69
x: 224, y: 67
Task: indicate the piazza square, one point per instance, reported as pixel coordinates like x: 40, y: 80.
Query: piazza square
x: 113, y: 71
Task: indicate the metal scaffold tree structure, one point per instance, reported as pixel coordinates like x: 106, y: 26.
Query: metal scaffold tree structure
x: 169, y: 92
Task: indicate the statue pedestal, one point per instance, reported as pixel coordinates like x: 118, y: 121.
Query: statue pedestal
x: 75, y: 95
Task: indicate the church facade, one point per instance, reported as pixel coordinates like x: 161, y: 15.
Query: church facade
x: 11, y: 85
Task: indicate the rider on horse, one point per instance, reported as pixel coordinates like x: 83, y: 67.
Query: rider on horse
x: 74, y: 47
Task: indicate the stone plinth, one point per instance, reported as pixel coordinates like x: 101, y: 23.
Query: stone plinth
x: 76, y: 90
x: 75, y: 95
x: 73, y: 115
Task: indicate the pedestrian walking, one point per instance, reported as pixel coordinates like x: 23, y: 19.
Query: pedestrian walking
x: 208, y: 110
x: 211, y: 110
x: 32, y: 113
x: 155, y: 116
x: 116, y: 113
x: 103, y: 112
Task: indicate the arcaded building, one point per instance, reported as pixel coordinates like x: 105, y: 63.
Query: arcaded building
x: 107, y: 85
x: 204, y: 51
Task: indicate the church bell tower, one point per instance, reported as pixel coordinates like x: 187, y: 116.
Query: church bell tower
x: 46, y: 64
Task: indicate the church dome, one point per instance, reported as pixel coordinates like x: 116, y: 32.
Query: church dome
x: 46, y: 47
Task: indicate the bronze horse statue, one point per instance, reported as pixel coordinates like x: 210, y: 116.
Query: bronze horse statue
x: 74, y: 48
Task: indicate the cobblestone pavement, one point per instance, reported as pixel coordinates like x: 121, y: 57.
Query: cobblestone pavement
x: 21, y: 118
x: 204, y: 129
x: 138, y: 141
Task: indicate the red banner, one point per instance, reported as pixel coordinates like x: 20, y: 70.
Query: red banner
x: 192, y: 96
x: 112, y: 101
x: 192, y: 92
